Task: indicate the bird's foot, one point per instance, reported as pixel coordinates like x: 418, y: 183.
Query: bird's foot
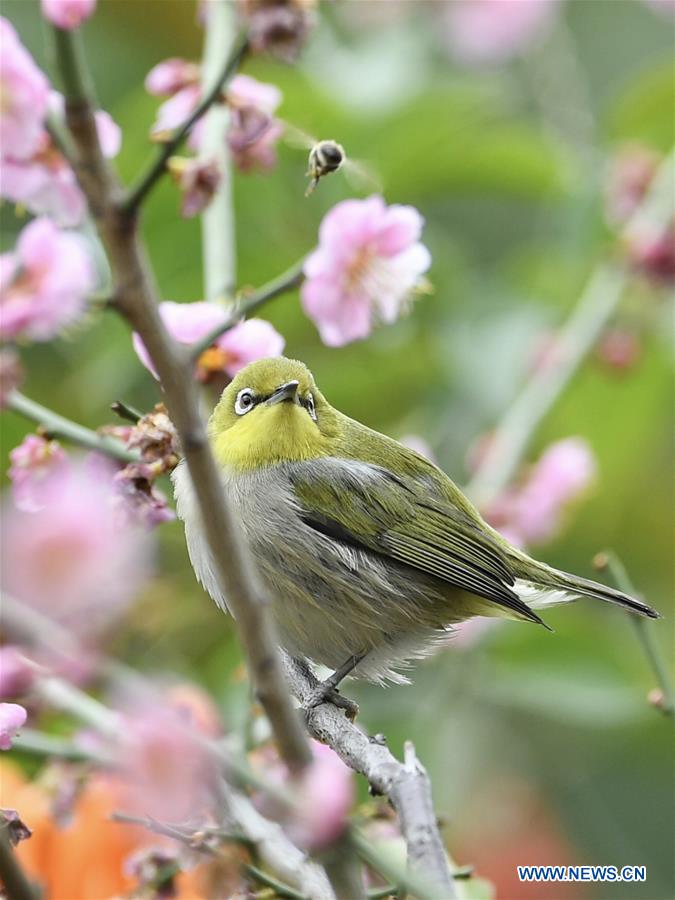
x: 324, y: 692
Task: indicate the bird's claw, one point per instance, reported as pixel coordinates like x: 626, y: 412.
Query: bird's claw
x: 325, y: 693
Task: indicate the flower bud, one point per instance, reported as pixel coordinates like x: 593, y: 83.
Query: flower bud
x: 198, y: 181
x: 12, y: 718
x: 67, y: 14
x: 278, y: 27
x: 630, y: 173
x: 16, y: 673
x: 619, y: 349
x: 651, y: 251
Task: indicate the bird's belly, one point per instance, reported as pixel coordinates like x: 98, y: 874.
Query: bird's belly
x: 330, y: 601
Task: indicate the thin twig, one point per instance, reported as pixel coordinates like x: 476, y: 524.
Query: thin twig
x: 266, y: 838
x: 280, y: 889
x: 217, y: 220
x: 147, y: 180
x: 276, y: 850
x: 248, y: 303
x: 510, y: 440
x: 40, y: 744
x: 138, y: 303
x: 405, y: 784
x: 577, y: 337
x: 387, y: 891
x: 643, y: 630
x: 344, y: 869
x: 57, y: 426
x: 27, y: 625
x: 409, y: 882
x: 197, y: 840
x: 124, y: 411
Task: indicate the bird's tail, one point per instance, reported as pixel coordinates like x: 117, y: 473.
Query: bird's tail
x: 541, y: 586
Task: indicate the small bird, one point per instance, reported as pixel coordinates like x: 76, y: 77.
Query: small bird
x: 368, y: 551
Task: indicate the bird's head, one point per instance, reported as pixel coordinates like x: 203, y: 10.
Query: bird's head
x: 272, y: 412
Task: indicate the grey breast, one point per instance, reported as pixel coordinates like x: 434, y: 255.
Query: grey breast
x: 330, y: 599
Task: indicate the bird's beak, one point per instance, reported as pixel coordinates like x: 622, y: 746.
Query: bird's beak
x: 286, y: 391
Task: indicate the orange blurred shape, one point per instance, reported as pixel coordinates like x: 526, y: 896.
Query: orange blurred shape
x: 84, y: 860
x: 197, y: 707
x: 508, y: 824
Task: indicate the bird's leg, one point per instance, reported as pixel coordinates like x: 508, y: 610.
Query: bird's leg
x: 326, y: 691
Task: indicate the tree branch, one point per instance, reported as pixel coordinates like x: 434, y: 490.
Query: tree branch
x: 138, y: 303
x: 510, y: 440
x: 247, y: 304
x: 277, y: 851
x: 405, y: 784
x: 146, y: 182
x: 643, y: 629
x: 270, y: 843
x: 59, y: 427
x: 575, y: 340
x: 217, y: 220
x: 40, y: 744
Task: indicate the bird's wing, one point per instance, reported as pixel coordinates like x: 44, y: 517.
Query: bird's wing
x: 404, y: 519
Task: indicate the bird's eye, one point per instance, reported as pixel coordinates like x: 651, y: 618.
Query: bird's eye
x: 244, y: 402
x: 309, y: 404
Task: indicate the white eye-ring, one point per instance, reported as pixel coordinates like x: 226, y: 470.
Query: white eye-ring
x: 309, y: 403
x: 244, y: 402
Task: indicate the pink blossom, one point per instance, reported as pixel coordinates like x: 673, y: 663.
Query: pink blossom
x: 71, y: 560
x: 494, y: 31
x: 630, y: 174
x: 17, y: 673
x: 12, y: 718
x: 249, y: 340
x: 178, y: 80
x: 667, y: 7
x: 246, y: 91
x: 67, y: 14
x: 189, y: 322
x: 109, y: 134
x: 619, y: 349
x: 34, y: 462
x: 650, y: 248
x: 45, y: 183
x: 171, y: 76
x: 367, y: 265
x: 44, y: 283
x: 167, y: 767
x: 25, y: 91
x: 198, y: 181
x: 325, y: 796
x: 174, y: 112
x: 253, y: 132
x: 108, y: 131
x: 531, y: 512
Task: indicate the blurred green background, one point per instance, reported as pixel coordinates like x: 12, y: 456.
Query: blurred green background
x: 541, y: 747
